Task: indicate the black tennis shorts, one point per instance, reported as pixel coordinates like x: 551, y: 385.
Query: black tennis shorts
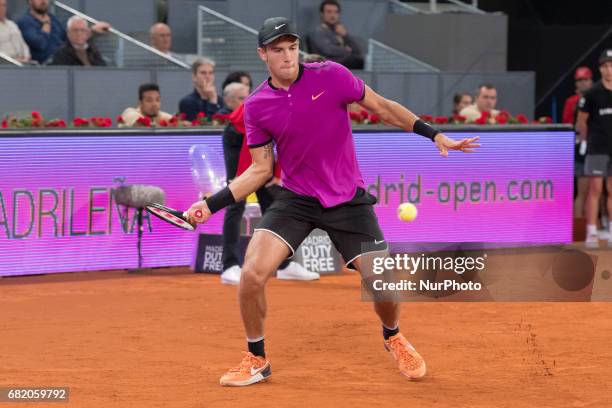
x: 350, y: 225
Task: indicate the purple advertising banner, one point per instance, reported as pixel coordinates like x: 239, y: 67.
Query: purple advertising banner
x: 57, y: 212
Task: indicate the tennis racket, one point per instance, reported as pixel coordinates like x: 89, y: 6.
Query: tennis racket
x: 172, y: 216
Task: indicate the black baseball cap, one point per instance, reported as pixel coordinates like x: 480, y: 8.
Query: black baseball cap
x: 276, y: 27
x: 605, y: 56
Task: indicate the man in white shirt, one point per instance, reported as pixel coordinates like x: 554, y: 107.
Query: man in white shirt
x: 148, y: 112
x: 11, y: 40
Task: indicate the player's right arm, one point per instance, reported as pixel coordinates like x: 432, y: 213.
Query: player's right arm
x: 259, y: 173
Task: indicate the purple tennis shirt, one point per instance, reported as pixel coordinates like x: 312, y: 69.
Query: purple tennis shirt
x: 311, y: 128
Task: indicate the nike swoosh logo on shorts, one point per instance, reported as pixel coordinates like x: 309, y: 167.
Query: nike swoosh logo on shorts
x: 314, y: 98
x: 277, y: 27
x: 378, y: 242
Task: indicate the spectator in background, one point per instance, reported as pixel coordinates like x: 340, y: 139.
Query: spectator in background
x: 204, y: 97
x: 43, y: 32
x: 486, y: 99
x: 11, y: 40
x: 238, y: 76
x: 233, y: 95
x: 461, y: 100
x: 584, y: 81
x: 331, y: 40
x: 148, y: 112
x: 161, y: 38
x: 594, y: 122
x: 77, y: 50
x: 583, y: 78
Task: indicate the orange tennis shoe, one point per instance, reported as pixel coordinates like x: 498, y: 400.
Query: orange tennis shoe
x: 410, y: 363
x: 252, y: 369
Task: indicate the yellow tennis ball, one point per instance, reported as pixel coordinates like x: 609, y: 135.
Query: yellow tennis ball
x: 407, y: 212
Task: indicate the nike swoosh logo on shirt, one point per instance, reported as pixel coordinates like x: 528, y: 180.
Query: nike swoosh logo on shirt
x: 277, y: 27
x: 314, y: 98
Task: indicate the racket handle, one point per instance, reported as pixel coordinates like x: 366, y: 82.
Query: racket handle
x: 198, y: 214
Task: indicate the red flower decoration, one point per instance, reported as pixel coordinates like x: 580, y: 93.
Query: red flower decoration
x: 79, y: 122
x: 4, y: 123
x: 364, y: 114
x: 481, y: 120
x: 144, y: 121
x: 201, y: 115
x: 163, y: 123
x: 441, y: 120
x: 219, y: 117
x: 120, y: 119
x: 182, y: 116
x: 36, y: 115
x: 101, y: 122
x: 173, y: 121
x: 426, y: 118
x: 522, y: 118
x: 459, y: 118
x: 57, y: 123
x: 356, y: 116
x: 195, y: 122
x: 374, y: 119
x: 501, y: 119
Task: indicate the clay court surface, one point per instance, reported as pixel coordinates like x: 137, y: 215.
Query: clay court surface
x: 163, y: 340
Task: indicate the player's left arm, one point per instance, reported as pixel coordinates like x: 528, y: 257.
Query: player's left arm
x: 395, y: 114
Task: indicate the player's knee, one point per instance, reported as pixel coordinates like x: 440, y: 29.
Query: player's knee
x: 252, y: 279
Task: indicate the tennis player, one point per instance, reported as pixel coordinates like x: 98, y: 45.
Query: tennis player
x: 302, y: 108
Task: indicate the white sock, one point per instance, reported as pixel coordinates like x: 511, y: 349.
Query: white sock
x: 591, y: 229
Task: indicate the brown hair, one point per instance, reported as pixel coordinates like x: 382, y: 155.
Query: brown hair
x: 486, y: 85
x: 329, y: 3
